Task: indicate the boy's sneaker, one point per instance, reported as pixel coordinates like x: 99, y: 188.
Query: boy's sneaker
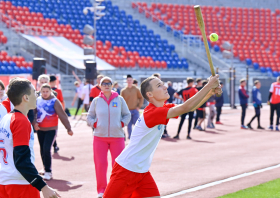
x: 249, y: 126
x: 199, y: 128
x: 100, y: 195
x: 270, y: 127
x: 244, y: 127
x: 213, y: 125
x: 189, y: 137
x: 259, y: 127
x: 210, y: 127
x: 218, y: 122
x: 42, y: 172
x: 47, y: 176
x: 56, y: 149
x: 276, y: 128
x: 176, y: 137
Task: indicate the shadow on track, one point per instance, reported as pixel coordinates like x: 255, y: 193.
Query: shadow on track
x: 202, y: 141
x: 57, y: 156
x: 63, y: 185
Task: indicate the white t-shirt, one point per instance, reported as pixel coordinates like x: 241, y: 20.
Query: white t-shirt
x: 86, y: 91
x: 3, y: 111
x: 137, y: 156
x: 79, y: 90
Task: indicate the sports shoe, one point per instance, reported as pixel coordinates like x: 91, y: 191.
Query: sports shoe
x: 259, y: 127
x: 213, y: 125
x: 210, y: 126
x: 276, y: 128
x: 189, y: 137
x: 244, y: 127
x: 100, y: 195
x: 56, y: 149
x: 199, y: 128
x: 270, y: 127
x: 176, y: 137
x: 249, y: 126
x: 218, y: 122
x: 42, y: 172
x: 47, y: 176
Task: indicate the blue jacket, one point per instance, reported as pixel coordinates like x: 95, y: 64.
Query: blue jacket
x: 257, y: 96
x: 171, y: 92
x: 243, y: 95
x: 219, y: 100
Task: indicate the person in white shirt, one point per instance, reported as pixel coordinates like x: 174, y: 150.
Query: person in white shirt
x: 85, y: 95
x: 130, y: 175
x: 3, y: 96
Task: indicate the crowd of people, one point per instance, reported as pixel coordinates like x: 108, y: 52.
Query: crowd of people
x: 109, y: 109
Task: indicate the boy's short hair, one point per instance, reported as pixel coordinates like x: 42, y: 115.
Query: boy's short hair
x: 157, y: 75
x: 2, y: 85
x: 198, y: 80
x: 146, y: 87
x: 17, y: 88
x: 128, y: 76
x: 46, y: 85
x: 242, y: 80
x: 278, y: 78
x: 100, y: 76
x: 53, y: 78
x: 115, y: 83
x: 135, y: 81
x: 76, y: 83
x: 45, y: 76
x: 190, y: 80
x: 204, y: 82
x: 256, y: 82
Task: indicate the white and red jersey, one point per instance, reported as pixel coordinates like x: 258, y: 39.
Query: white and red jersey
x: 8, y: 105
x: 275, y: 90
x: 46, y: 114
x: 137, y: 156
x: 3, y: 111
x: 15, y: 130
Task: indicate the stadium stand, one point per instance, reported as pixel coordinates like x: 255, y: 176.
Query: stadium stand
x: 121, y: 41
x: 253, y: 32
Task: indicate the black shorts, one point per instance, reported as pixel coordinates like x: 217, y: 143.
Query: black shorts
x: 200, y: 113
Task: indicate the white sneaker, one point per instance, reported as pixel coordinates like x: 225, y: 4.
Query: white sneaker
x: 47, y: 176
x: 100, y: 195
x: 42, y: 172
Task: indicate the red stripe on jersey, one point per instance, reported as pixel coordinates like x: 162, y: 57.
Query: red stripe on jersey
x: 7, y: 104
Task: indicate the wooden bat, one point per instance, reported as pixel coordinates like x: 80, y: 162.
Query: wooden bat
x: 201, y: 25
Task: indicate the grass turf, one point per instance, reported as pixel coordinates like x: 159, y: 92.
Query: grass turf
x: 266, y: 190
x: 73, y: 111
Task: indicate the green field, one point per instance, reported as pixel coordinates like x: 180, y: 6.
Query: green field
x: 73, y: 111
x: 267, y: 190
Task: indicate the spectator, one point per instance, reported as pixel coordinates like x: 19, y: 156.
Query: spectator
x: 134, y: 100
x: 42, y: 79
x: 198, y: 87
x: 274, y: 101
x: 116, y: 88
x: 212, y: 112
x: 135, y: 82
x: 184, y: 95
x: 108, y: 133
x: 59, y: 96
x: 201, y: 111
x: 219, y: 105
x: 85, y: 95
x: 171, y: 92
x: 3, y: 96
x: 79, y: 92
x: 49, y: 109
x: 257, y: 103
x: 95, y: 90
x: 243, y: 98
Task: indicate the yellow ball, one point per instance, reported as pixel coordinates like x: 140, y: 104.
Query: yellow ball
x: 213, y: 37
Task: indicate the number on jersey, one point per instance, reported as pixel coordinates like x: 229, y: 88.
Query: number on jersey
x: 4, y: 152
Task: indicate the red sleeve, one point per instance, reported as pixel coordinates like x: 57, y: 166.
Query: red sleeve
x: 21, y: 129
x: 157, y: 115
x: 7, y: 105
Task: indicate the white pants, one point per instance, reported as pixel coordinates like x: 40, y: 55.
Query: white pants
x: 212, y: 113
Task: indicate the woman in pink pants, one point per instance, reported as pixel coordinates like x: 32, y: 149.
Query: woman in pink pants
x: 108, y: 114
